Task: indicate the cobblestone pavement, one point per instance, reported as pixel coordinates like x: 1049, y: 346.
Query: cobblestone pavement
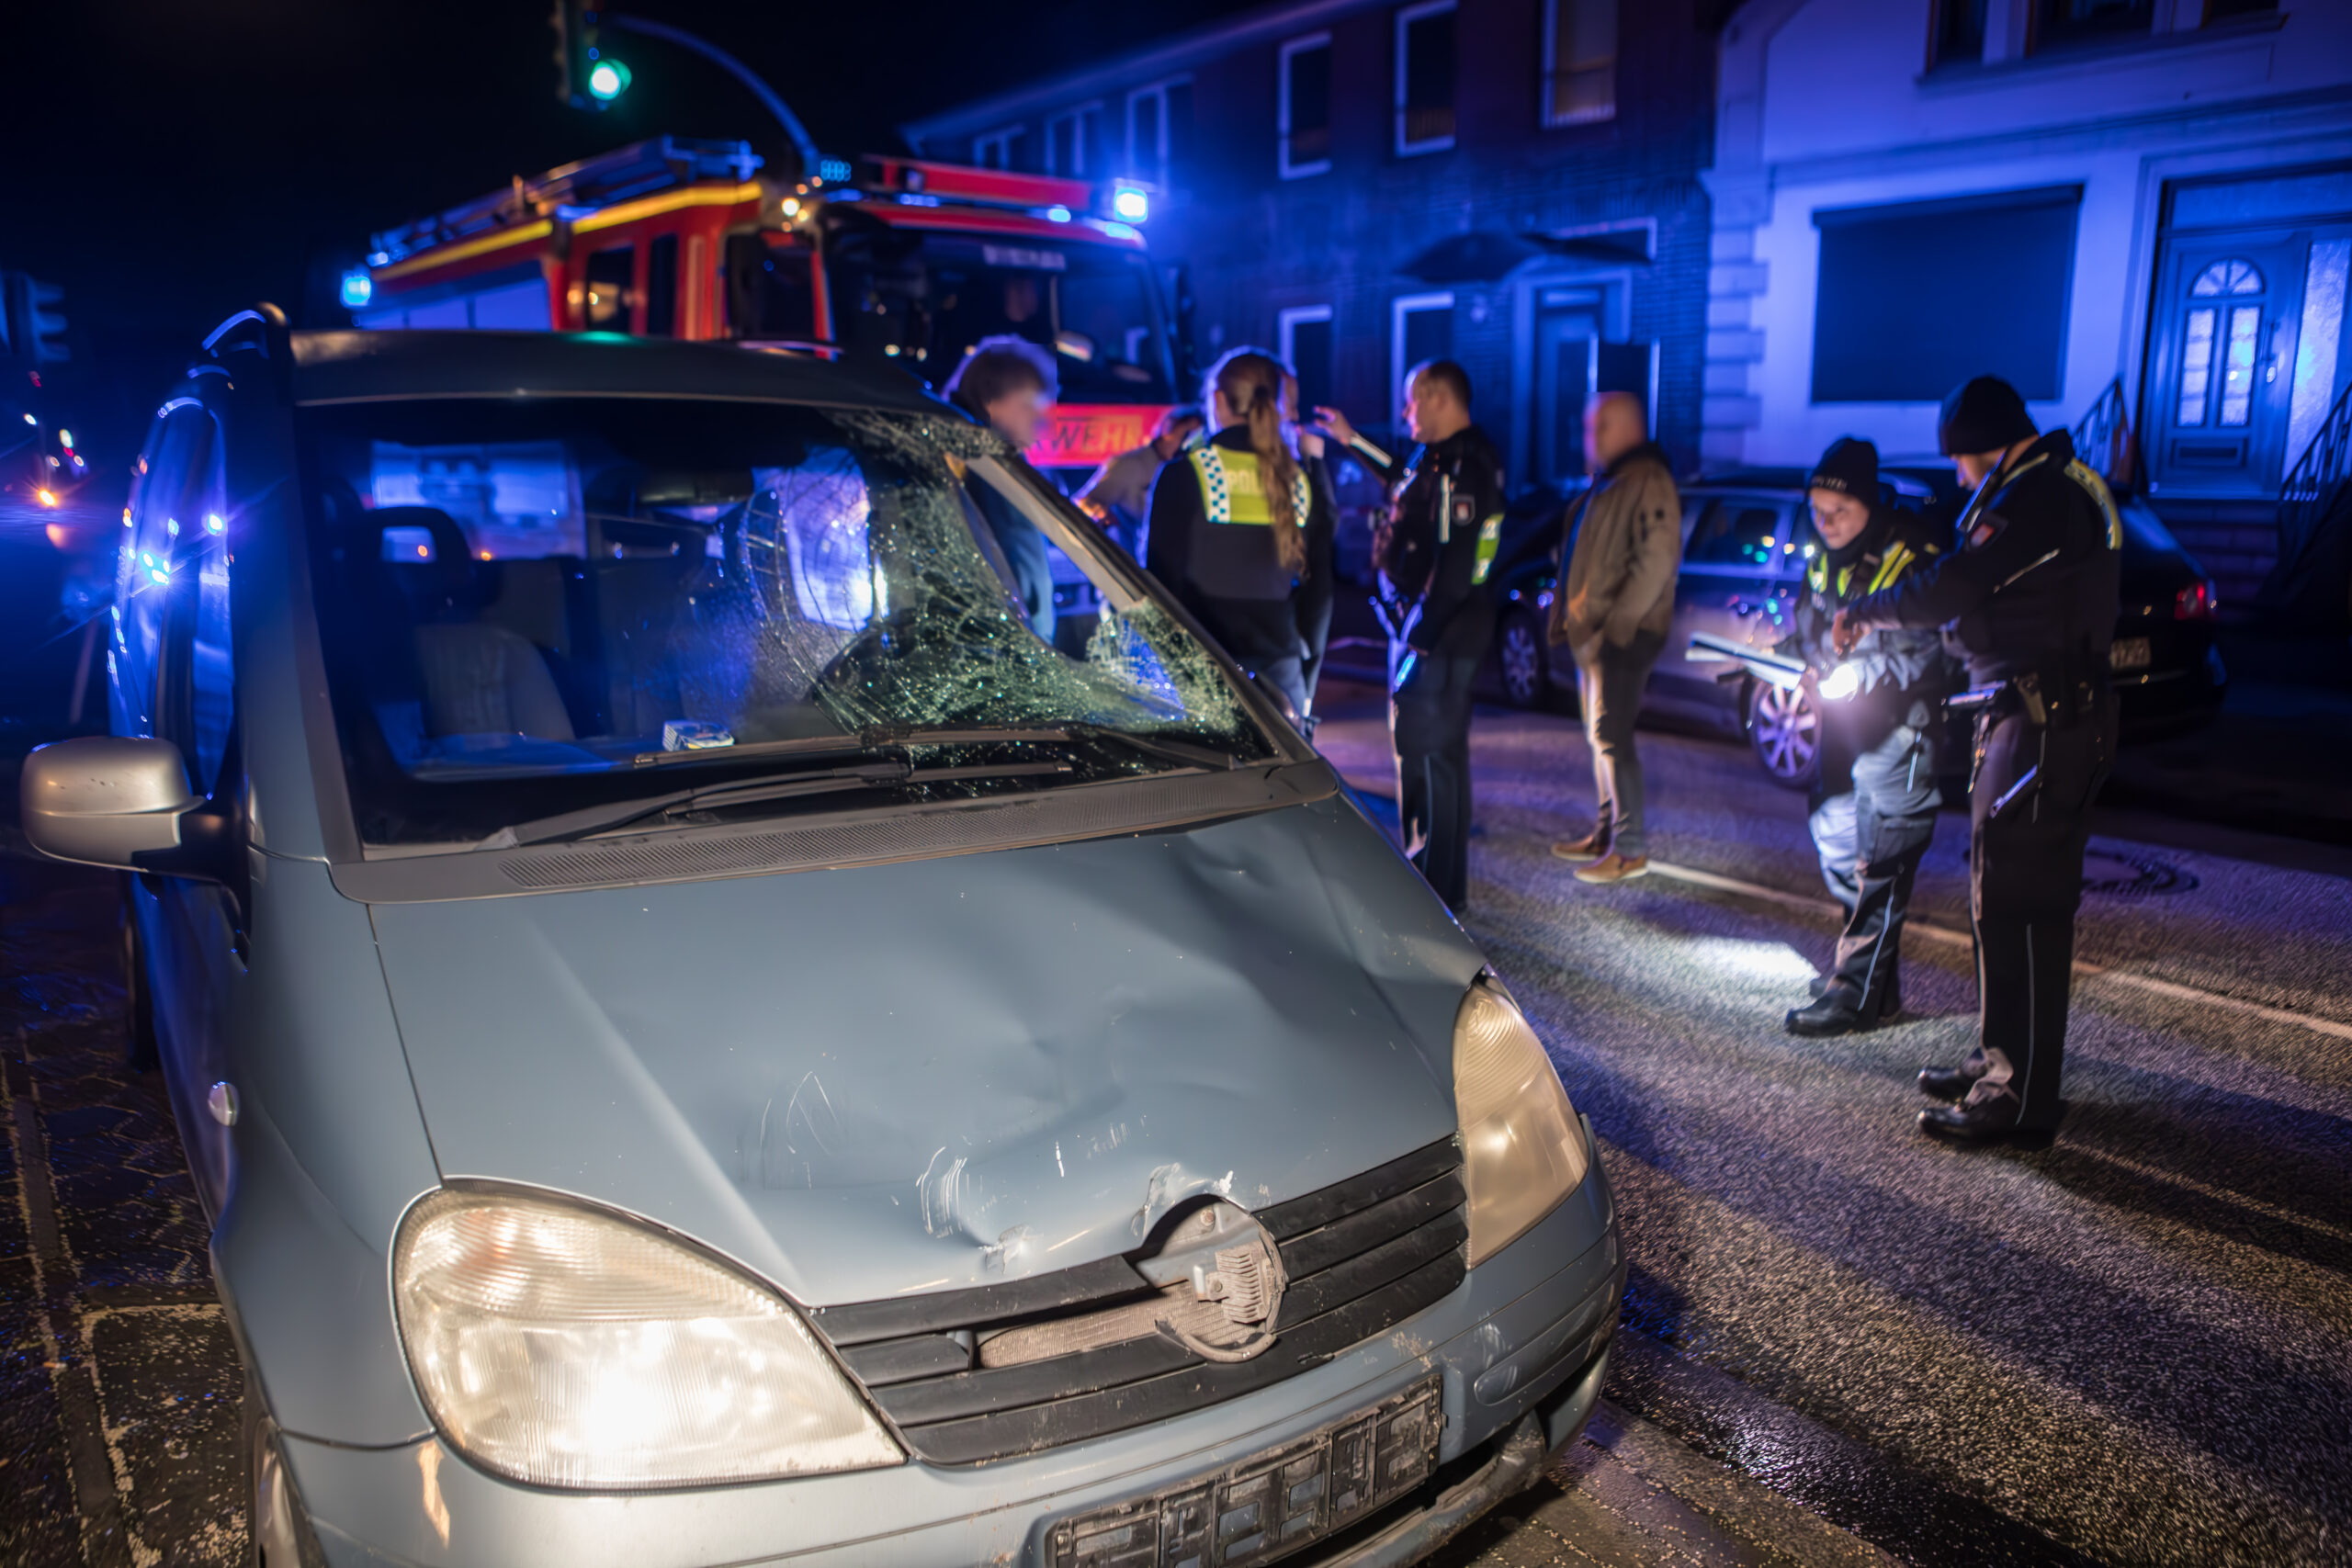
x: 119, y: 1414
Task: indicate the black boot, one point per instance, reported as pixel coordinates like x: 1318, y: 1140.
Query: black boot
x: 1835, y: 1013
x: 1890, y: 1003
x: 1948, y: 1083
x: 1983, y: 1118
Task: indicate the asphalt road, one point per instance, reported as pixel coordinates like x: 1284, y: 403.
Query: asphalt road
x: 2128, y: 1347
x: 1842, y: 1342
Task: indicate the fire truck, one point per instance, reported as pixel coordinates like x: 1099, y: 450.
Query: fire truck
x: 913, y: 260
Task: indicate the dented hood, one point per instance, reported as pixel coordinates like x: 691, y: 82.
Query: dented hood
x: 950, y: 1072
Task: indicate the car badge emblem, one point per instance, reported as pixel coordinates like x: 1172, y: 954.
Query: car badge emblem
x: 1229, y: 1308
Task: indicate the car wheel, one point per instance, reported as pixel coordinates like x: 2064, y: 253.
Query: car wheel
x: 139, y: 1002
x: 1784, y: 731
x: 1519, y: 648
x: 278, y: 1533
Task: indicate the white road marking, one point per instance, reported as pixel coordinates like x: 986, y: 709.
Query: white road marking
x: 2168, y: 989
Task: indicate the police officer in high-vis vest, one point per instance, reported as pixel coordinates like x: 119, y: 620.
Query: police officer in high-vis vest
x: 2027, y: 597
x: 1433, y: 554
x: 1881, y: 711
x: 1241, y: 534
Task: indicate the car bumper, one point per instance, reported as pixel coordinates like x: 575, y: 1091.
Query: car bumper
x: 1518, y: 1350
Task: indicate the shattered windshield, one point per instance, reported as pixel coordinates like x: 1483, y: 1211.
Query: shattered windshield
x: 544, y: 608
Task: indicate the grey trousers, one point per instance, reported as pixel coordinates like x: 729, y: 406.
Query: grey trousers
x: 1609, y: 690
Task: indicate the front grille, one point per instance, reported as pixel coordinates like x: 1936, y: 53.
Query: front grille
x: 1361, y: 1256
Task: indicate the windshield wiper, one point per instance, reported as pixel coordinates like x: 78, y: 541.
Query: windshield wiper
x: 589, y: 821
x: 601, y: 818
x: 1155, y: 746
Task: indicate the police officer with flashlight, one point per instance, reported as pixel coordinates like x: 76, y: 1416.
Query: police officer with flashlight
x: 2027, y: 597
x: 1874, y: 805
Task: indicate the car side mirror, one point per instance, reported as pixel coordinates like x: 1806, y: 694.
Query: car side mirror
x: 120, y: 801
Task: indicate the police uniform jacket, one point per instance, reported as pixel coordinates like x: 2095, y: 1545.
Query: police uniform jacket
x: 2030, y: 585
x: 1212, y: 544
x: 1438, y: 543
x: 1902, y: 672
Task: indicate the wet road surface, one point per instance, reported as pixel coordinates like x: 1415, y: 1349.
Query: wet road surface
x: 2128, y: 1347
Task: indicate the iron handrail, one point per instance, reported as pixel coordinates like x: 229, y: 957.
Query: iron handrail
x: 2306, y: 495
x: 2104, y: 438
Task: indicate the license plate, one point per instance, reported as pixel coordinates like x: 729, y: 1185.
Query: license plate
x: 1267, y: 1507
x: 2128, y: 653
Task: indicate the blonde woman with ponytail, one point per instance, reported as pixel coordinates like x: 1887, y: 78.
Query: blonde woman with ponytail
x: 1242, y: 529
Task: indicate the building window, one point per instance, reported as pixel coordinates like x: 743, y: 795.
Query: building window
x: 1074, y: 142
x: 1307, y: 343
x: 2208, y: 340
x: 1911, y: 301
x: 997, y: 149
x: 1160, y: 130
x: 1421, y: 326
x: 1425, y: 78
x: 1305, y: 94
x: 2063, y: 23
x: 1960, y: 33
x: 1579, y: 62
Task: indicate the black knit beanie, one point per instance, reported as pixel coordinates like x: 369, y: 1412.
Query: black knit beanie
x: 1849, y: 468
x: 1984, y: 415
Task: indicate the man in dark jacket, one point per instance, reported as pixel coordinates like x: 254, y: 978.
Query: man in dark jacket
x: 1433, y: 553
x: 1875, y: 802
x: 2027, y: 597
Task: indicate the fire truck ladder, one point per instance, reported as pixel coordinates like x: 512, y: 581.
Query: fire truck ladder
x: 626, y: 171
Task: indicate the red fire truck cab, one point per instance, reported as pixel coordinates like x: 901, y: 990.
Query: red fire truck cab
x: 678, y: 237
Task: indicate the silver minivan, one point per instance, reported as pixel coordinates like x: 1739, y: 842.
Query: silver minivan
x: 703, y: 1039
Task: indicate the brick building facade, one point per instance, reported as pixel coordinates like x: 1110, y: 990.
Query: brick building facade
x: 1513, y: 182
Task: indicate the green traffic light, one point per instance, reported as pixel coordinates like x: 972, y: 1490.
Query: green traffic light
x: 607, y: 80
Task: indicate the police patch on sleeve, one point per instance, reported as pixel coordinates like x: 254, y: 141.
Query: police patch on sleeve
x: 1986, y: 530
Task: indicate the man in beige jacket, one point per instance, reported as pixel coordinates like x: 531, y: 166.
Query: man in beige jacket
x: 1625, y: 546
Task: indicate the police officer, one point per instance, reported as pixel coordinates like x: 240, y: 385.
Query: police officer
x: 1874, y: 804
x: 2027, y: 597
x: 1240, y: 531
x: 1433, y: 553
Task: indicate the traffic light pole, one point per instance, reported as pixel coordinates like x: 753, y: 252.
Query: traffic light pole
x: 767, y: 95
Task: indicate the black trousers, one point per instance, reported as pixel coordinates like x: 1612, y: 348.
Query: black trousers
x: 1872, y: 836
x: 2030, y: 802
x: 1429, y: 716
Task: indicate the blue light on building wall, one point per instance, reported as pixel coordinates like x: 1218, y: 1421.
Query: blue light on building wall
x: 357, y: 288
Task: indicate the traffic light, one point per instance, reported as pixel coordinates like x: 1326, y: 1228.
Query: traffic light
x: 586, y: 76
x: 32, y: 330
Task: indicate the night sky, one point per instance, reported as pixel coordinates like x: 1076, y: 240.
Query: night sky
x: 170, y: 162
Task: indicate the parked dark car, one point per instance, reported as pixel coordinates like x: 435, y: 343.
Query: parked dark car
x: 1746, y: 535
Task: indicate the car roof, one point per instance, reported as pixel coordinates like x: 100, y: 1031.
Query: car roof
x: 1906, y: 479
x: 362, y: 367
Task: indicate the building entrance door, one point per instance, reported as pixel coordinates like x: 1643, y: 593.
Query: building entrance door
x: 1568, y: 325
x: 2227, y: 312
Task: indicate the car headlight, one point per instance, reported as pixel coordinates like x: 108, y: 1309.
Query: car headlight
x: 564, y: 1347
x: 1522, y: 1147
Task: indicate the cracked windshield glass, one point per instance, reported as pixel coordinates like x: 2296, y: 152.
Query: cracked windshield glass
x: 537, y: 616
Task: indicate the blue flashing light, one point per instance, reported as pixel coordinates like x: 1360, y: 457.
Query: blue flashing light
x: 1122, y: 232
x: 1130, y: 202
x: 833, y: 171
x: 1058, y: 214
x: 30, y: 420
x: 158, y: 574
x: 357, y: 288
x: 607, y: 80
x: 172, y: 524
x: 215, y: 524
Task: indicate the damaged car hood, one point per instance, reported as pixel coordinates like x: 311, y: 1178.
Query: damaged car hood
x: 943, y: 1072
